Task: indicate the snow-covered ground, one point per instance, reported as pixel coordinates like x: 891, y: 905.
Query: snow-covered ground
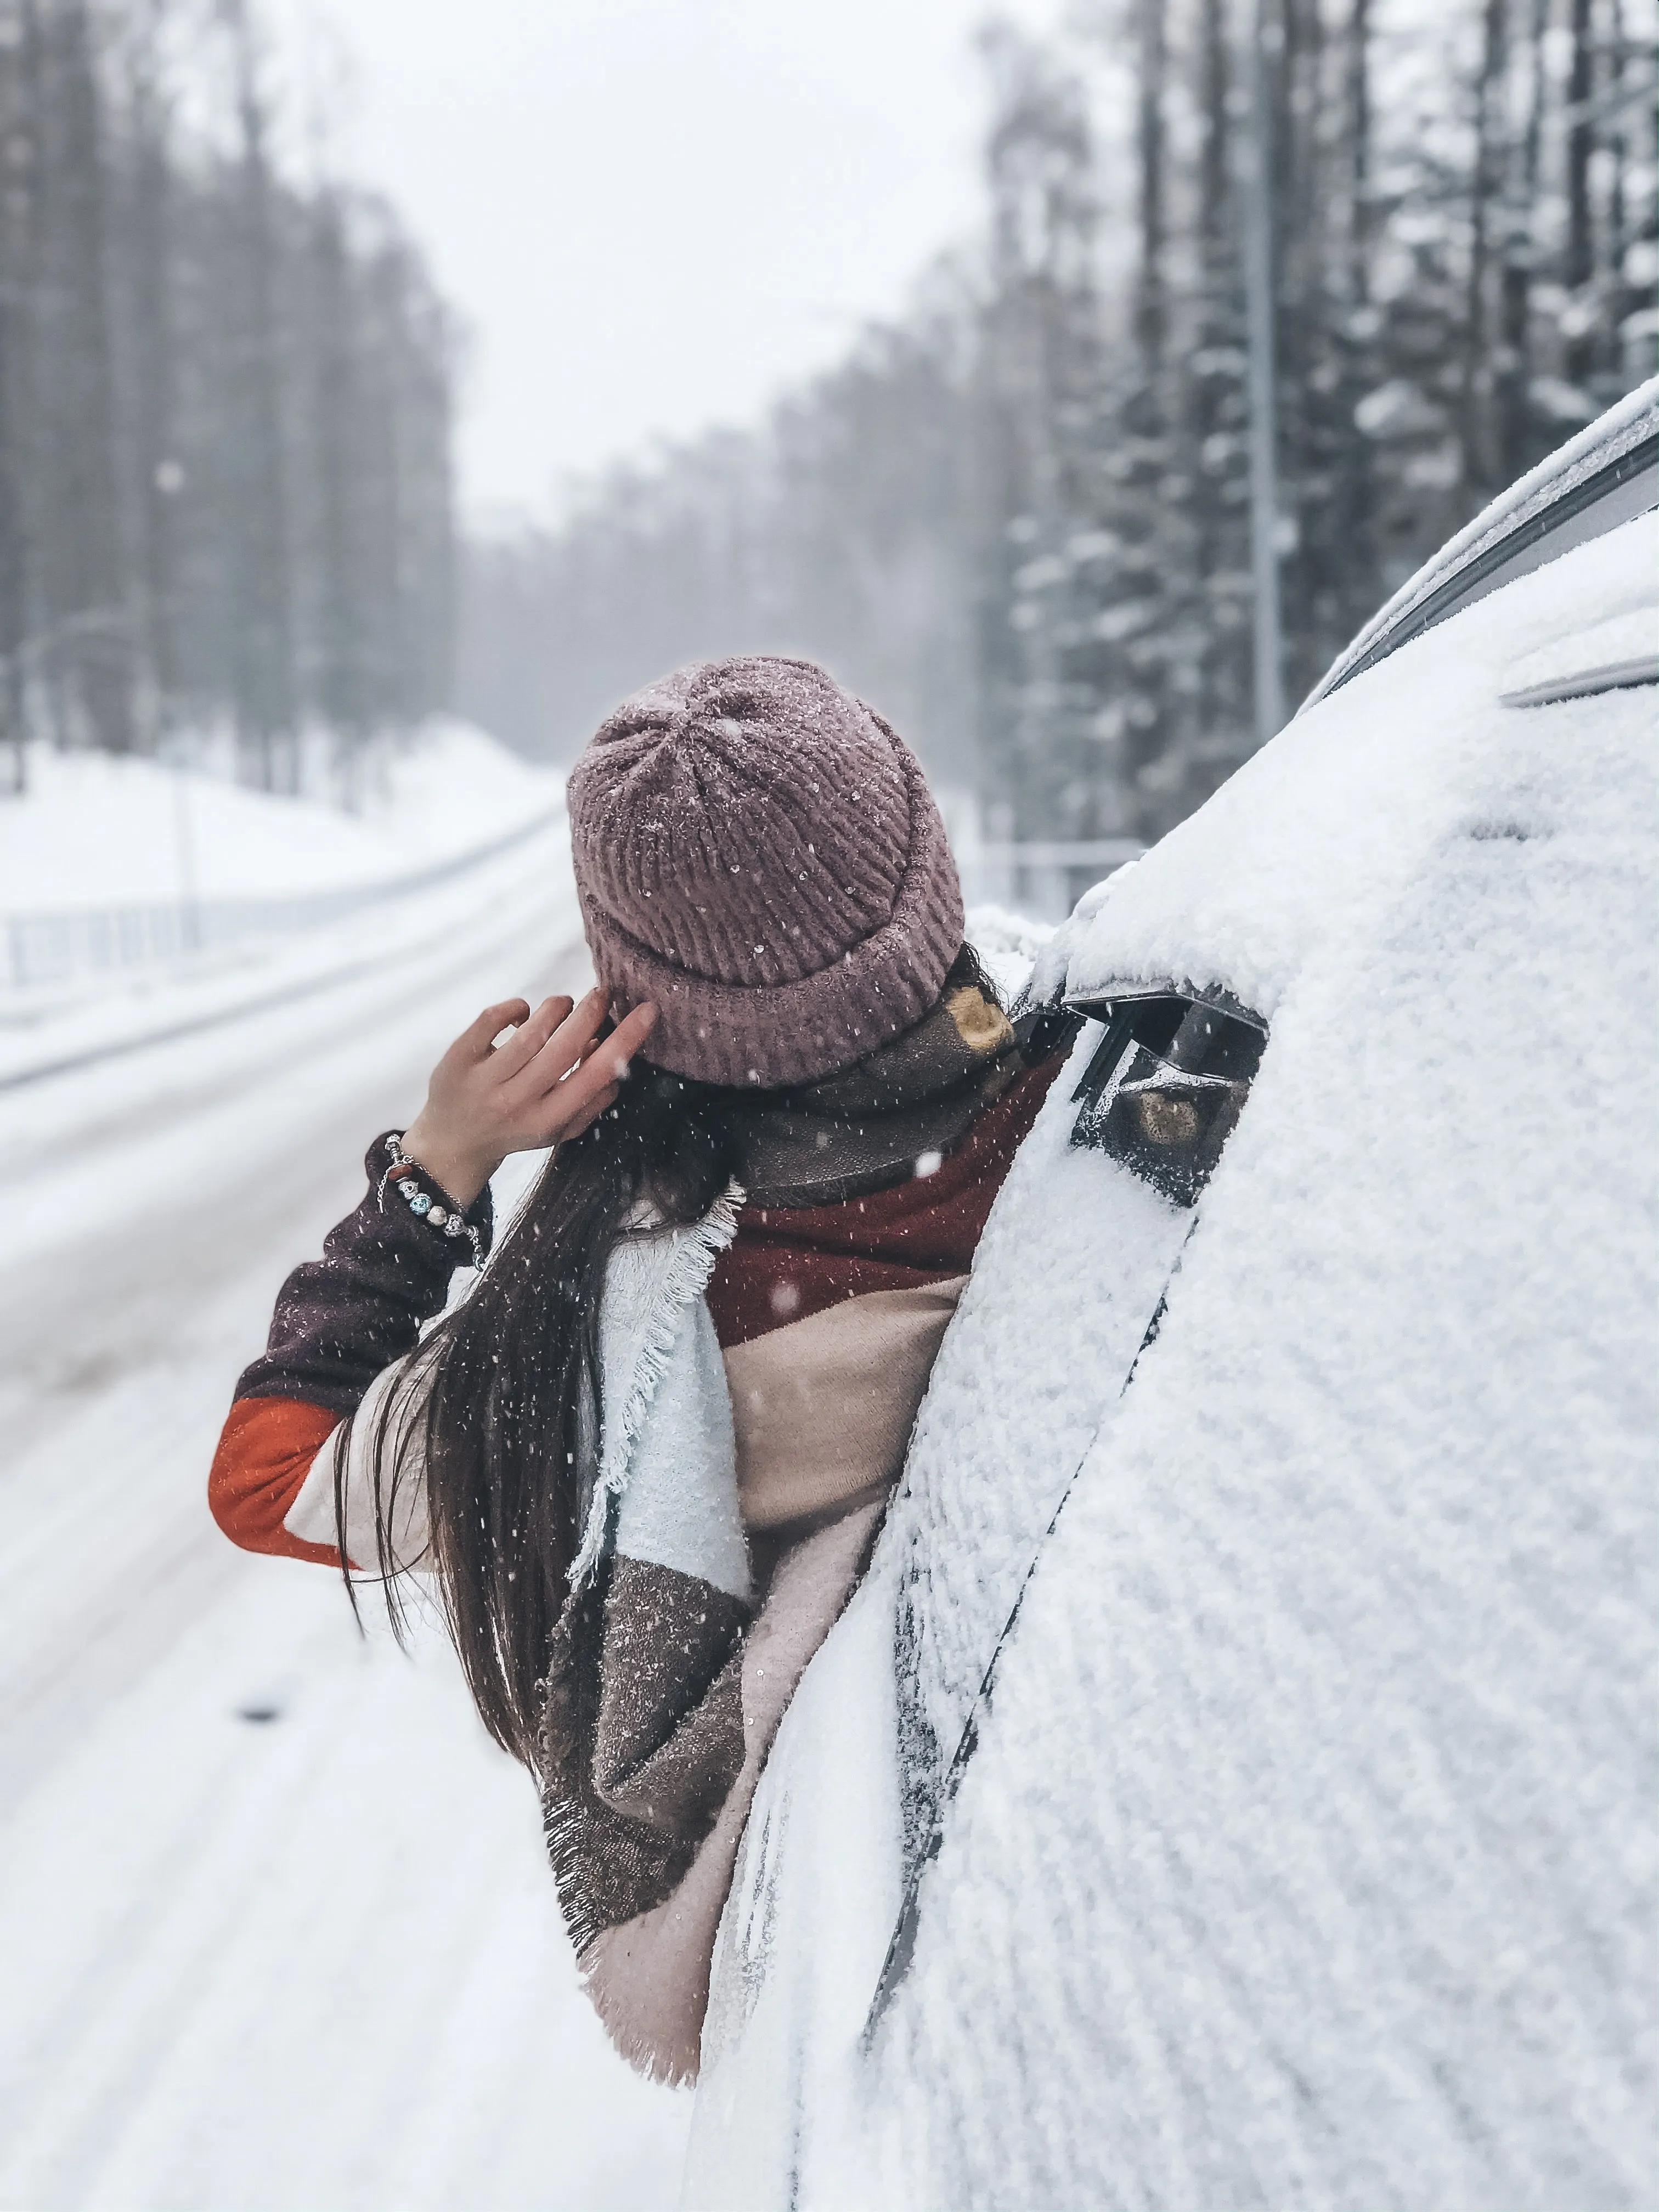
x: 278, y: 1928
x: 99, y: 836
x: 92, y: 831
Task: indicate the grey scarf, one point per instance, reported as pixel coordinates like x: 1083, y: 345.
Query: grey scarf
x: 862, y: 1129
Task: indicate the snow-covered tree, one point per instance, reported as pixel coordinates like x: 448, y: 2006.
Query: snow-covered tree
x: 225, y: 405
x: 1019, y: 518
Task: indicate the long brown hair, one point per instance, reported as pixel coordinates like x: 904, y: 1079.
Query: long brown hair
x: 507, y: 1424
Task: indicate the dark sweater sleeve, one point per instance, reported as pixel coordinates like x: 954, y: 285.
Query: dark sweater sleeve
x: 339, y: 1320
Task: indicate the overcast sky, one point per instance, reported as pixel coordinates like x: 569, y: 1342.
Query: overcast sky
x: 651, y: 213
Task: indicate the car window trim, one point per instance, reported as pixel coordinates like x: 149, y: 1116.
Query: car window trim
x: 1626, y: 487
x: 1586, y: 683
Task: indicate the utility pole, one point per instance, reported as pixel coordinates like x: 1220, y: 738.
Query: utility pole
x: 1257, y: 161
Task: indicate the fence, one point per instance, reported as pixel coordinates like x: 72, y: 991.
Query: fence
x: 54, y: 948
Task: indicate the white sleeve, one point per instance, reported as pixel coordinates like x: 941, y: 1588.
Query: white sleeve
x: 310, y: 1517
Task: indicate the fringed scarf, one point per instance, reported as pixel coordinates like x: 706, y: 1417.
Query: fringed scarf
x: 690, y: 1625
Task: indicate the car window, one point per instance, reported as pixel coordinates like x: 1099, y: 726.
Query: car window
x: 1165, y: 1087
x: 1593, y: 484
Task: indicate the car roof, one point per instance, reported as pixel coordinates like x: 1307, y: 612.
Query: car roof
x: 1607, y: 475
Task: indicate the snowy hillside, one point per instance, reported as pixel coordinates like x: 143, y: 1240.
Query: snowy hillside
x: 138, y: 903
x: 95, y: 831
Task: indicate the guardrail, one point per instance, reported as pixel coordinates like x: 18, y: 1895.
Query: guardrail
x: 54, y: 948
x: 1041, y: 876
x: 1101, y: 853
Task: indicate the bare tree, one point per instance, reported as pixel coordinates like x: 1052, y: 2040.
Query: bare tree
x: 225, y: 474
x: 147, y: 259
x: 89, y: 643
x: 18, y: 230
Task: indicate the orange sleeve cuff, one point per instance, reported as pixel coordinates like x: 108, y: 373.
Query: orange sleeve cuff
x: 265, y: 1451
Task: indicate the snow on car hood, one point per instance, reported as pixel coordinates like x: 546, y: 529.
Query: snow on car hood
x: 1305, y: 1857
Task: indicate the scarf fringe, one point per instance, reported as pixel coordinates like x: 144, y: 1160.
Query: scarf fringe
x: 567, y: 1835
x: 684, y: 1277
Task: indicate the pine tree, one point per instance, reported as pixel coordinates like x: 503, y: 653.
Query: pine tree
x: 1061, y: 451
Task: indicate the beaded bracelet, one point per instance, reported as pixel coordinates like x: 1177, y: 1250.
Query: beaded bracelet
x: 448, y: 1220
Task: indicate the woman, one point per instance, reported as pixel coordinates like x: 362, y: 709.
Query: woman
x: 645, y: 1458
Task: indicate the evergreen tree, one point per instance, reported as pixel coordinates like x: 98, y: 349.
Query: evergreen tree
x: 1024, y: 509
x: 225, y: 408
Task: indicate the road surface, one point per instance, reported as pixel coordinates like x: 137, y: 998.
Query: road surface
x: 278, y: 1927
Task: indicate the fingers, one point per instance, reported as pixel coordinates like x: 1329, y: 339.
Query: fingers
x: 567, y: 1047
x: 515, y: 1053
x: 475, y: 1040
x: 610, y: 1060
x: 625, y: 1040
x: 591, y: 1114
x: 572, y: 1100
x: 549, y: 1080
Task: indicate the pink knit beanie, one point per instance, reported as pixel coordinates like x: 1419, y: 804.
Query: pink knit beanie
x: 759, y: 854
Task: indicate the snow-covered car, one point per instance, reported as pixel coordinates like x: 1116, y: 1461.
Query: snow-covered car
x: 1234, y: 1783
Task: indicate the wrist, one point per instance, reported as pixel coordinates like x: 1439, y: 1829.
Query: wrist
x: 461, y: 1169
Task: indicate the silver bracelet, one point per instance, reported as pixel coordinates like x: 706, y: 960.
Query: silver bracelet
x: 449, y: 1221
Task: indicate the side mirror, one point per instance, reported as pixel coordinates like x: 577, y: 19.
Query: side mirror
x: 1166, y: 1085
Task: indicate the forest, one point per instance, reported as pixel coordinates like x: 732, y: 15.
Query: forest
x: 1017, y: 516
x: 226, y: 398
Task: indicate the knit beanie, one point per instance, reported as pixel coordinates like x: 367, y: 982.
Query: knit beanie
x: 758, y: 853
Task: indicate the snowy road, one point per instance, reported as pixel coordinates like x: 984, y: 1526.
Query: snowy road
x: 278, y: 1928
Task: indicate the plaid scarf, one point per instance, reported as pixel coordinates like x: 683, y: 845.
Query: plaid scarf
x: 665, y: 1685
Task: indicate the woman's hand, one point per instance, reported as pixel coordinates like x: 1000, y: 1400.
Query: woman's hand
x: 541, y: 1086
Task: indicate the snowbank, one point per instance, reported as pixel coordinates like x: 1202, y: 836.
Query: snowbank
x: 139, y: 903
x: 94, y: 832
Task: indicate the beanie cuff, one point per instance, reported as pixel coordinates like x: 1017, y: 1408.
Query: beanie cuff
x: 776, y: 1034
